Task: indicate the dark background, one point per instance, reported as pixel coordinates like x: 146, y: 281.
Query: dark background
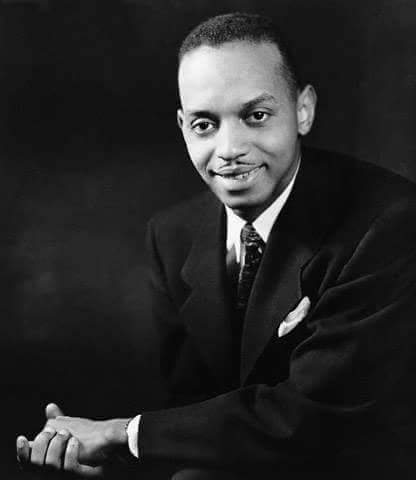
x: 89, y: 149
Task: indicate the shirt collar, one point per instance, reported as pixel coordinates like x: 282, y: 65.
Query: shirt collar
x: 263, y: 223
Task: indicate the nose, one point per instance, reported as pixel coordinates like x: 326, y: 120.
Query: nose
x: 231, y: 142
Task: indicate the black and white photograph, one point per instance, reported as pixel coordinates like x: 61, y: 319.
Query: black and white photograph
x: 208, y: 239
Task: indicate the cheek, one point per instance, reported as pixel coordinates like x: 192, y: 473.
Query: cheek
x: 199, y: 154
x: 280, y: 144
x: 199, y: 167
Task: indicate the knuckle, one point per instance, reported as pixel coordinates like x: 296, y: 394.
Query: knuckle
x: 50, y: 426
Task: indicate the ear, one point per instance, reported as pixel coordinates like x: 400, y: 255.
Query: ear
x: 180, y: 118
x: 306, y: 105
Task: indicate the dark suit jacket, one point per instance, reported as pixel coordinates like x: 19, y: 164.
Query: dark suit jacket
x: 336, y: 395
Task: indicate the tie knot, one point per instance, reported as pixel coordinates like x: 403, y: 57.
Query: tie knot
x: 250, y: 237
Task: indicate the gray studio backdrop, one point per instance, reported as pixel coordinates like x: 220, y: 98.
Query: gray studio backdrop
x: 89, y: 150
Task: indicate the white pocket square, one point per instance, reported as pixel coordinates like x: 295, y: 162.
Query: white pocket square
x: 294, y: 317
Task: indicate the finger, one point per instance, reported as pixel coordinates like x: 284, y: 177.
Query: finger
x: 71, y: 456
x: 72, y: 465
x: 52, y: 410
x: 22, y: 449
x: 305, y: 304
x: 56, y: 449
x: 40, y: 445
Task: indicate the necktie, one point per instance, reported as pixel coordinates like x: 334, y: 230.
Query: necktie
x: 252, y: 247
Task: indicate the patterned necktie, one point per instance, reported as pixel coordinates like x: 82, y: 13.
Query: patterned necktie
x: 252, y: 247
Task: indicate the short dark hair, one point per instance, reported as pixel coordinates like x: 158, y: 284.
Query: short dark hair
x: 243, y: 26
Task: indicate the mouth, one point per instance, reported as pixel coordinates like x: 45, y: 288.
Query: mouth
x: 238, y: 174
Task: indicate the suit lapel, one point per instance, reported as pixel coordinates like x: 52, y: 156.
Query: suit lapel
x: 206, y: 309
x: 295, y: 237
x: 276, y: 291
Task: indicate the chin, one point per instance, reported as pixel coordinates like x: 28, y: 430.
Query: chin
x: 243, y: 208
x: 243, y: 201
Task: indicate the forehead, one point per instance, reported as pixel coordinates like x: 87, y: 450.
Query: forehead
x: 231, y: 72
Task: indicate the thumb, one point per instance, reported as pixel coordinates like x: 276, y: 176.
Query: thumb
x: 52, y: 410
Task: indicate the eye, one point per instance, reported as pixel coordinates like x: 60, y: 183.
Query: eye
x: 202, y: 127
x: 257, y: 117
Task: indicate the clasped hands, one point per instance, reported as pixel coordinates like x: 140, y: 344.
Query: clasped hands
x: 76, y: 445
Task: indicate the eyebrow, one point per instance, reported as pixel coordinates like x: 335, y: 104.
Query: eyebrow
x: 199, y: 113
x: 264, y: 97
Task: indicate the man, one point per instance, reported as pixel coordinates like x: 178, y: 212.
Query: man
x: 285, y: 302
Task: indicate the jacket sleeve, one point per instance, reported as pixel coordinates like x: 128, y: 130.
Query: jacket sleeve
x: 349, y: 388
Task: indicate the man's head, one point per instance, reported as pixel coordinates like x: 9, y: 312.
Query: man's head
x: 233, y: 27
x: 242, y: 110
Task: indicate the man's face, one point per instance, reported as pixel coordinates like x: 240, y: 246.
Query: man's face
x: 240, y: 123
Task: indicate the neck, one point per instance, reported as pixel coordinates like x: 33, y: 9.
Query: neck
x: 250, y: 214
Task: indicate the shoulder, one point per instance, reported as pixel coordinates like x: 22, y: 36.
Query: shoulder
x: 359, y: 180
x: 176, y: 227
x: 359, y: 189
x: 185, y: 216
x: 373, y: 209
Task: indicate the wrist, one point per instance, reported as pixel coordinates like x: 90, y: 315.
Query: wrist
x: 115, y: 432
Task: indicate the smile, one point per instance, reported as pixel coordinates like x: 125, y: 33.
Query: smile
x: 238, y: 175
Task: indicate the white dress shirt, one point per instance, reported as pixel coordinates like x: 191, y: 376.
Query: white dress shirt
x: 263, y: 224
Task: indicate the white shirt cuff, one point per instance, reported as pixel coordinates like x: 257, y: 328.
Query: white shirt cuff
x: 133, y: 435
